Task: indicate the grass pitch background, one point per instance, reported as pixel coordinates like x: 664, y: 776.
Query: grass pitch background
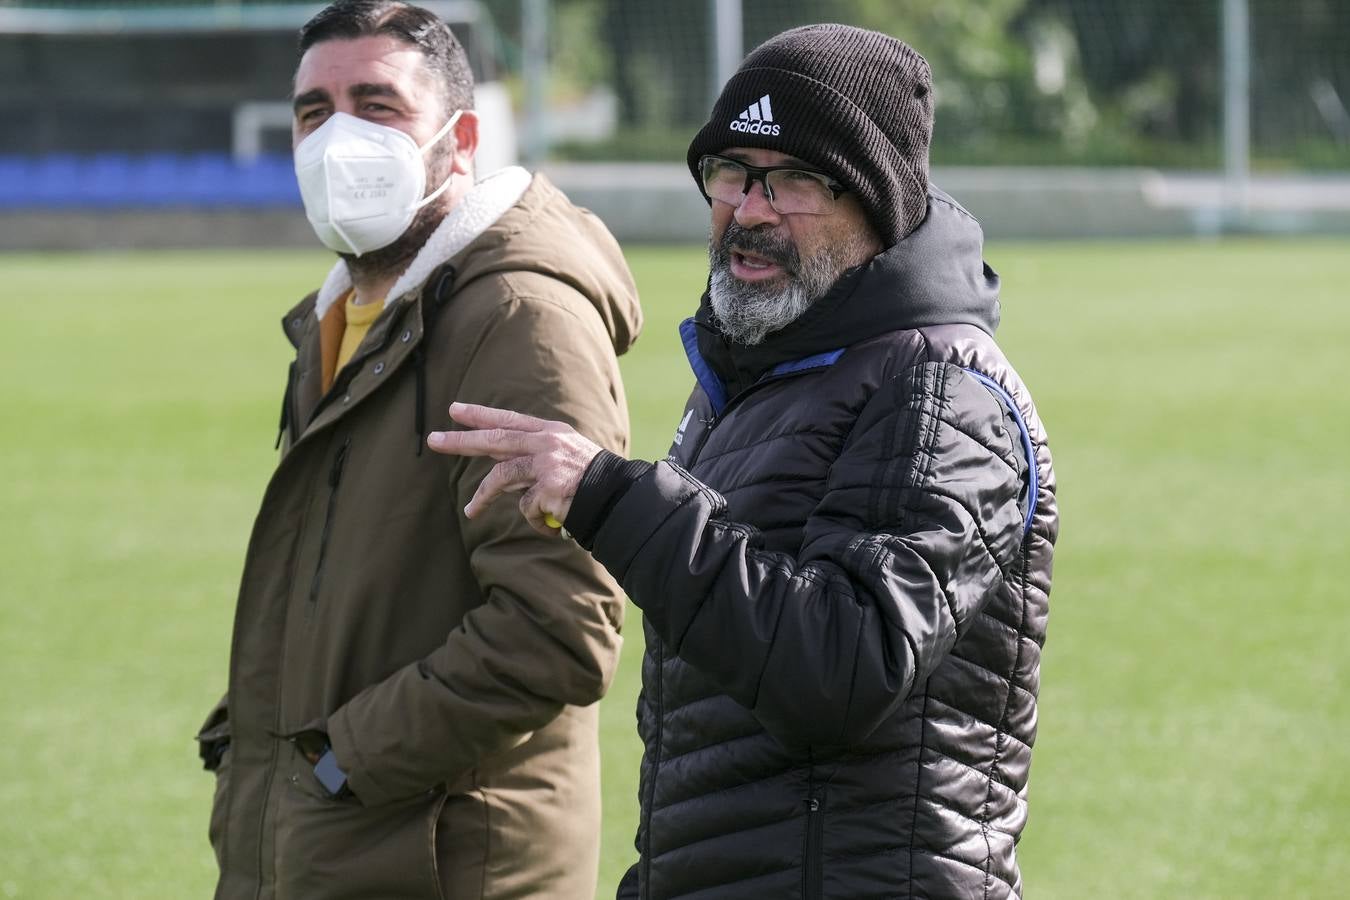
x: 1195, y: 716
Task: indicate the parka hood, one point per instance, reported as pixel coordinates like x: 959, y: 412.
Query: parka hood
x: 935, y: 276
x: 544, y: 233
x: 513, y: 221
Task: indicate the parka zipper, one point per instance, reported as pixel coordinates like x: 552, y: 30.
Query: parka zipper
x: 334, y: 479
x: 270, y: 804
x: 286, y: 416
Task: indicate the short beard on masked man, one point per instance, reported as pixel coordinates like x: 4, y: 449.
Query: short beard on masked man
x: 748, y: 311
x: 396, y: 256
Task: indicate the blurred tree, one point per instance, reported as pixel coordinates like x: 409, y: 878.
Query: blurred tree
x: 659, y: 55
x: 982, y: 69
x: 1155, y: 61
x: 661, y: 60
x: 1016, y: 81
x: 1301, y: 76
x: 1159, y: 64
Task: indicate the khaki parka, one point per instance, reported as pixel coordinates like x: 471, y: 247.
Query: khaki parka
x: 454, y: 663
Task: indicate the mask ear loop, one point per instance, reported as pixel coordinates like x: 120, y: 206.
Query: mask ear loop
x: 445, y: 129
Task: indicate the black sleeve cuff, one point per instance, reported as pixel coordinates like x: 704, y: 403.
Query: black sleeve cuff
x: 603, y: 484
x: 214, y: 739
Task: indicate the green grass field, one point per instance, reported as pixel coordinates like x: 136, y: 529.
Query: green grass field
x: 1195, y: 716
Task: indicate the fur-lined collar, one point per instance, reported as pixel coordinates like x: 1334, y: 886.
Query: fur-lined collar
x: 473, y: 215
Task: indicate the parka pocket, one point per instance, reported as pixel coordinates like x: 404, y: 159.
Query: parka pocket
x: 460, y: 845
x: 340, y: 850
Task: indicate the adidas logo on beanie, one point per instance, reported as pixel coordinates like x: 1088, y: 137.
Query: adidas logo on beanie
x: 757, y: 118
x: 856, y: 103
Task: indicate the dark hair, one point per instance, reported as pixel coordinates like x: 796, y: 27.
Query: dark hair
x: 445, y: 57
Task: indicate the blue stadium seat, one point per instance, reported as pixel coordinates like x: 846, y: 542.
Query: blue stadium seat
x: 154, y: 182
x: 208, y: 181
x: 15, y: 182
x: 55, y: 181
x: 275, y: 174
x: 105, y: 181
x: 151, y: 181
x: 266, y: 182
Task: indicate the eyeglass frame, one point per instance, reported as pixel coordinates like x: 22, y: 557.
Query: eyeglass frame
x: 762, y: 173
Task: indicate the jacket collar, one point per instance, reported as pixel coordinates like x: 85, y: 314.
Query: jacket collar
x: 473, y: 215
x: 935, y: 276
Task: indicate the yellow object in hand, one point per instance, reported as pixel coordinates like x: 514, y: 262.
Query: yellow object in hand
x: 551, y: 522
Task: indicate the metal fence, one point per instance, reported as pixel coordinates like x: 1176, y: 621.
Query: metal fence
x: 1025, y: 82
x: 1018, y: 82
x: 1240, y: 104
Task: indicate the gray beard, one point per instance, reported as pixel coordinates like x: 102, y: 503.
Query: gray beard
x: 749, y: 311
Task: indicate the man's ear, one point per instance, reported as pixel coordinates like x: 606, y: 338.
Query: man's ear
x: 466, y: 142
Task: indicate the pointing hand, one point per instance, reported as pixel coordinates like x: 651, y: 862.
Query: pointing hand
x: 541, y: 460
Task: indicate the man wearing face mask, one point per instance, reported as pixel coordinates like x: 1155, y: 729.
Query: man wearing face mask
x: 410, y: 707
x: 844, y: 562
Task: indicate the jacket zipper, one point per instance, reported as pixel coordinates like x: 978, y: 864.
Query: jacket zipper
x: 813, y: 874
x: 813, y: 821
x: 812, y: 871
x: 334, y: 479
x: 286, y: 415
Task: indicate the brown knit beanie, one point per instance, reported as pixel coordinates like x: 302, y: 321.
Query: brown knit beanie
x: 856, y: 103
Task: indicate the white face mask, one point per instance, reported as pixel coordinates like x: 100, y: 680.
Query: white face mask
x: 362, y: 183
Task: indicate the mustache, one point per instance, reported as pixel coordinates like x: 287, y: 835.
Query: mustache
x: 759, y: 241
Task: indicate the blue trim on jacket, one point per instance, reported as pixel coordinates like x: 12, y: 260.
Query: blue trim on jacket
x: 707, y: 378
x: 1033, y: 472
x: 713, y: 386
x: 820, y: 360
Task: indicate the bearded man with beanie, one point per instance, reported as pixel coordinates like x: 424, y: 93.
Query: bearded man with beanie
x: 411, y: 695
x: 844, y: 562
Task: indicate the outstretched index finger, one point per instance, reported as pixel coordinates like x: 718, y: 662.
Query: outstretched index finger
x: 475, y: 416
x: 497, y: 443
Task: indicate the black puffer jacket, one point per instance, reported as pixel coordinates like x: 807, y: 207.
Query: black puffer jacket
x: 844, y: 567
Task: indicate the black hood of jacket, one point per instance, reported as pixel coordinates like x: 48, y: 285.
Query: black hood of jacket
x: 935, y: 276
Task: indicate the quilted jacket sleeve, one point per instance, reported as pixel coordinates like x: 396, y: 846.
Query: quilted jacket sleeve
x: 918, y: 529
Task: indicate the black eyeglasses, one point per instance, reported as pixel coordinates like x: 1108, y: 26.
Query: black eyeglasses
x: 789, y: 189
